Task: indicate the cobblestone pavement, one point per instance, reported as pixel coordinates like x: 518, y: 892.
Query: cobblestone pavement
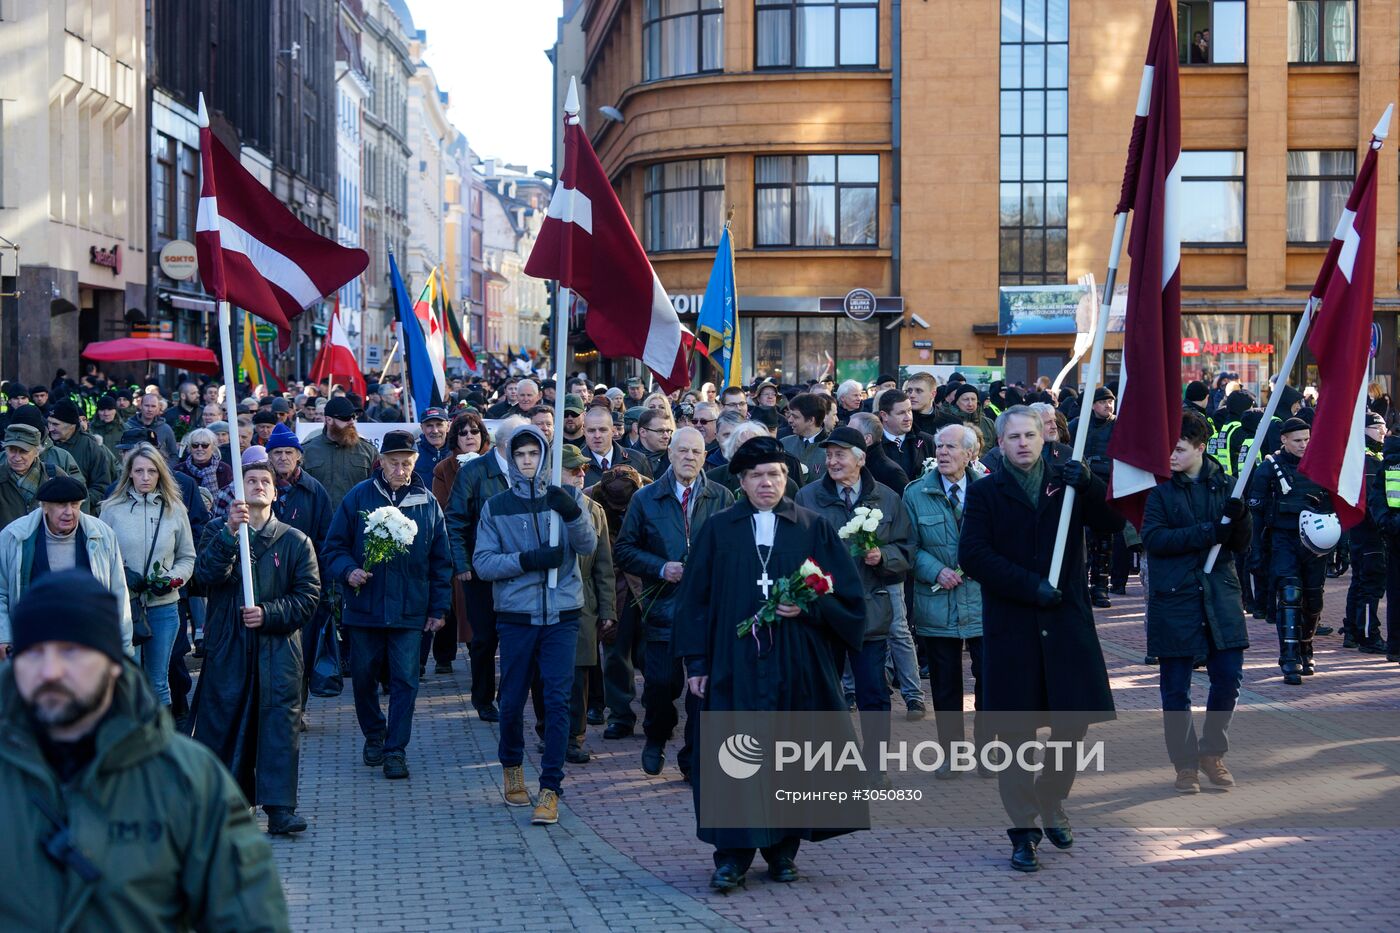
x: 441, y: 852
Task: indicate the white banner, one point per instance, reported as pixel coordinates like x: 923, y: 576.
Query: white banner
x: 374, y: 431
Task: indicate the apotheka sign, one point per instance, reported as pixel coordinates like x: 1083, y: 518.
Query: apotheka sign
x: 1194, y: 346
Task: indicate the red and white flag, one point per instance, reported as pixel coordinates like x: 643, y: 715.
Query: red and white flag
x: 588, y: 245
x: 1340, y: 339
x: 336, y: 361
x: 253, y: 252
x: 1149, y: 382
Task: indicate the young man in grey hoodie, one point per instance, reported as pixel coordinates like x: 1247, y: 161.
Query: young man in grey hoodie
x: 537, y: 625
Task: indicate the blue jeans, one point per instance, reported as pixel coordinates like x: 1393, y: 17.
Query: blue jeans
x: 902, y: 665
x: 155, y: 654
x: 550, y: 650
x: 1225, y: 669
x: 370, y: 648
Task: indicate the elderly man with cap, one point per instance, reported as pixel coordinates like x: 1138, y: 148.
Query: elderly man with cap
x: 98, y: 463
x: 56, y: 457
x: 387, y: 606
x: 57, y: 537
x: 22, y: 473
x: 163, y: 838
x: 263, y: 423
x: 338, y: 456
x: 432, y: 443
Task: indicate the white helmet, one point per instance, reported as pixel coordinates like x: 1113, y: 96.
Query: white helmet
x: 1319, y: 531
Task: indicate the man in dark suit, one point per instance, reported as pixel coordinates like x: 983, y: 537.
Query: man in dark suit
x: 603, y: 452
x: 905, y: 446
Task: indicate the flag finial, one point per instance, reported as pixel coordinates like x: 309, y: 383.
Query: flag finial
x: 203, y: 112
x: 1383, y: 128
x: 571, y: 100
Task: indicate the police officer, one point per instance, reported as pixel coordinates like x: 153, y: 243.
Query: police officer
x: 1223, y: 448
x: 1383, y: 508
x: 1102, y: 547
x: 1301, y: 532
x: 1362, y: 625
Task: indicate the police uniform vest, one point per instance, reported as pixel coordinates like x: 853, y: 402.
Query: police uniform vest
x: 1245, y: 446
x: 1392, y: 487
x: 1218, y: 447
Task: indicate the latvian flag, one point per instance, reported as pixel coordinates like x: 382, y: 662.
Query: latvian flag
x: 1340, y: 339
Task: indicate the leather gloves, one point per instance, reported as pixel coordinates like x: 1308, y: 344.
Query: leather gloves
x: 1234, y: 509
x: 542, y: 558
x: 560, y: 501
x: 1076, y: 475
x: 1046, y: 596
x: 135, y: 583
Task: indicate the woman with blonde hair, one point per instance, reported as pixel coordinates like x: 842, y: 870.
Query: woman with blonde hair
x: 148, y: 515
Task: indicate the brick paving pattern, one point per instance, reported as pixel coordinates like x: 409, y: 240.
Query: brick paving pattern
x: 442, y: 852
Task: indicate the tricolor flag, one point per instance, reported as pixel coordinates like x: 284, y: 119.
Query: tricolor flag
x: 425, y: 309
x: 458, y: 334
x: 587, y: 244
x: 253, y: 252
x: 1340, y: 339
x: 253, y: 363
x: 1149, y: 382
x: 336, y: 361
x: 418, y: 363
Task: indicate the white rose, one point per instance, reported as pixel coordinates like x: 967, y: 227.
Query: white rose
x: 870, y: 524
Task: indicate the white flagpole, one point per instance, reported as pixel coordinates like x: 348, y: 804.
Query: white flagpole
x: 561, y: 336
x: 244, y: 556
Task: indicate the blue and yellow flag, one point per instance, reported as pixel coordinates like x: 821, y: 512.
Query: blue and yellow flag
x: 718, y: 322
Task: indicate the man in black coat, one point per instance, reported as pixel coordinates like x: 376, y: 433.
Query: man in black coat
x: 1041, y: 655
x: 905, y: 446
x: 603, y: 452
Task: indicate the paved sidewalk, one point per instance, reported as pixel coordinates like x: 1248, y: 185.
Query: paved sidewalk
x: 441, y: 852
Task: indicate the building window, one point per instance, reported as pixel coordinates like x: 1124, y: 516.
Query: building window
x: 1212, y: 198
x: 818, y: 33
x: 1319, y: 183
x: 1321, y: 31
x: 1210, y: 32
x: 189, y: 187
x: 165, y: 196
x: 683, y: 203
x: 682, y: 37
x: 1034, y: 204
x: 824, y: 200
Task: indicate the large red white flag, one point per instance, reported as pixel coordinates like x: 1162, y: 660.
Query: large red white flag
x: 336, y: 361
x: 1340, y: 339
x: 587, y: 244
x: 253, y: 252
x: 1149, y: 382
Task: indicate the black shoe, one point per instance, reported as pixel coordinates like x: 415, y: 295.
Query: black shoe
x: 282, y: 821
x: 1119, y: 590
x: 1324, y: 630
x: 373, y: 754
x: 576, y: 754
x: 596, y: 717
x: 1062, y: 837
x: 782, y: 870
x: 617, y: 730
x: 1309, y: 668
x: 1151, y: 661
x: 1347, y: 640
x: 1392, y: 655
x: 1260, y: 613
x: 444, y: 667
x: 488, y: 713
x: 395, y: 766
x: 727, y: 877
x: 1373, y: 647
x: 1099, y: 598
x: 1023, y: 857
x: 1293, y: 679
x: 915, y: 710
x: 198, y: 648
x: 653, y: 756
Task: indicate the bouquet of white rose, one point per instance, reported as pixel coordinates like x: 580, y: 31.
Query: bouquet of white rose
x: 930, y: 464
x: 860, y: 530
x: 388, y: 534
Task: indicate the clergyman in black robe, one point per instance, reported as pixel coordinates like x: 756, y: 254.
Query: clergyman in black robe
x: 738, y: 555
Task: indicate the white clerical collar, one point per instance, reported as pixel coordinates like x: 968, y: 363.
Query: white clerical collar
x: 765, y: 525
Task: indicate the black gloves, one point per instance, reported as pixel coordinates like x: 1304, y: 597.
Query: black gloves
x: 1223, y: 532
x: 1234, y: 509
x: 161, y: 590
x: 135, y: 583
x: 542, y: 558
x: 1076, y: 475
x: 560, y: 501
x: 1046, y: 596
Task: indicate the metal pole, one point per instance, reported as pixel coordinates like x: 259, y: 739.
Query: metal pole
x: 244, y: 557
x: 1279, y: 381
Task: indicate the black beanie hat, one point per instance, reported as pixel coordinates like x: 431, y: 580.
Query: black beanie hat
x: 1104, y: 394
x: 62, y: 488
x: 65, y: 411
x: 1238, y: 402
x: 1197, y: 391
x: 1293, y: 424
x: 71, y: 606
x: 962, y: 389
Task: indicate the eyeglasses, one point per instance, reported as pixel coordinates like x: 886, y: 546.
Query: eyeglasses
x: 471, y: 430
x: 704, y: 421
x: 200, y: 444
x: 660, y: 430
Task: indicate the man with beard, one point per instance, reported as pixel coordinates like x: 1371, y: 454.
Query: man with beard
x: 99, y: 465
x: 186, y: 407
x: 573, y: 421
x: 734, y: 561
x: 338, y: 457
x: 162, y: 833
x: 247, y: 704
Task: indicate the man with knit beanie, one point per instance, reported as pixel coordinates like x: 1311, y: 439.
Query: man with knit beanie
x: 99, y: 465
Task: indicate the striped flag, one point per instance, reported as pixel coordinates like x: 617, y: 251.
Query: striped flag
x: 253, y: 364
x: 1149, y: 382
x: 425, y: 310
x: 459, y: 338
x: 1340, y: 339
x: 253, y: 252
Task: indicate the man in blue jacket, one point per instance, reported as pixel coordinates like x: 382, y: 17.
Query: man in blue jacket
x: 389, y: 606
x: 537, y: 624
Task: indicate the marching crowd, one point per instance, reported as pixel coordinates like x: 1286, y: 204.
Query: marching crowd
x: 676, y: 518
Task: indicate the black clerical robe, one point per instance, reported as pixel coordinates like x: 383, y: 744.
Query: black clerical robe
x: 793, y: 667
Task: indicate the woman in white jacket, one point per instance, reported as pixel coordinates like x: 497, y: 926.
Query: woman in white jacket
x: 148, y: 515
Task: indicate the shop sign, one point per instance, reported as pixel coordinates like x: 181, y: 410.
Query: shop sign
x: 859, y: 304
x: 1195, y: 346
x: 1053, y: 309
x: 923, y: 344
x: 372, y: 357
x: 178, y: 260
x: 108, y: 258
x: 687, y: 304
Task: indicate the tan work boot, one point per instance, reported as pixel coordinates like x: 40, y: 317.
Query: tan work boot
x: 516, y: 794
x: 1214, y: 767
x: 547, y: 811
x: 1187, y: 782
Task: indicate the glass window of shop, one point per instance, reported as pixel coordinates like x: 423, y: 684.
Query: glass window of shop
x: 682, y: 37
x: 1319, y: 183
x: 1210, y: 32
x: 1241, y: 347
x: 800, y: 349
x: 683, y: 204
x: 1212, y: 198
x: 817, y: 33
x: 821, y: 201
x: 1321, y: 31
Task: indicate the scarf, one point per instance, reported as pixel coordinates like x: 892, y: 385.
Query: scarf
x: 1029, y: 480
x: 206, y: 476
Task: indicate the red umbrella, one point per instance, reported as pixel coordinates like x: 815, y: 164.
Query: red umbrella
x: 135, y: 349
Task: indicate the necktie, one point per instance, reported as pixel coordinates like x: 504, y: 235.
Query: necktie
x: 846, y: 494
x: 955, y: 500
x: 685, y: 510
x: 899, y: 443
x: 605, y: 464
